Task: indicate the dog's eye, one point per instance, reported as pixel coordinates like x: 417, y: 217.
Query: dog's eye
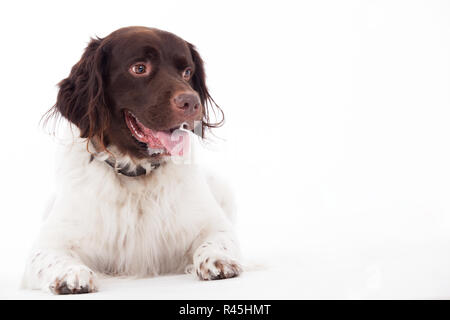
x: 187, y: 73
x: 140, y: 69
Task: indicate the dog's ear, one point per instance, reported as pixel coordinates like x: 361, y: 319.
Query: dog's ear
x: 199, y: 84
x: 81, y: 97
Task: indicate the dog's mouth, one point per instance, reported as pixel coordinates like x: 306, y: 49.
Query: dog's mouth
x: 171, y: 142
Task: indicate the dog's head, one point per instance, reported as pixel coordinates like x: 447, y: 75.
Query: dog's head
x: 133, y: 88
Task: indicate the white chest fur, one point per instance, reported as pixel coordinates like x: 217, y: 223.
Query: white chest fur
x: 157, y: 223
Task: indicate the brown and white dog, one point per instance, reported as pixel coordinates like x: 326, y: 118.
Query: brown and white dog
x: 123, y: 207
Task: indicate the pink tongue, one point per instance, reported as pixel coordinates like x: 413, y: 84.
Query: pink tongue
x: 176, y: 143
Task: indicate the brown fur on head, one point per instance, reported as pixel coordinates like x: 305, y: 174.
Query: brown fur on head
x: 101, y: 87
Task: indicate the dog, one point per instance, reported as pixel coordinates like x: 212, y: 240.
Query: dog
x: 124, y: 206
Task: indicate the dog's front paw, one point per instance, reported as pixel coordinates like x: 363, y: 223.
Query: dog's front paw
x: 74, y: 280
x: 218, y: 268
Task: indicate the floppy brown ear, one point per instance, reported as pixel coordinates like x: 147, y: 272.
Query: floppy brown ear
x: 199, y: 84
x: 81, y: 98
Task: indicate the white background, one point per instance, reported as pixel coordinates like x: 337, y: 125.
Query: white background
x: 336, y: 141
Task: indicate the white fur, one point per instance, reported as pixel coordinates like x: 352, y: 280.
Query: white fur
x: 100, y: 222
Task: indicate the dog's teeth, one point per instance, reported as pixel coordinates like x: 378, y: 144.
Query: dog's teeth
x: 153, y: 152
x: 184, y: 126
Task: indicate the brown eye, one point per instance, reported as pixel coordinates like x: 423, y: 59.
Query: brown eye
x: 140, y: 69
x: 187, y: 73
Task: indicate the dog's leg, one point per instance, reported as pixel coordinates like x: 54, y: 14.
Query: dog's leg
x: 60, y: 272
x: 223, y: 194
x: 217, y: 256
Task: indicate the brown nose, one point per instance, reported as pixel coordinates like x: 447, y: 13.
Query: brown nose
x: 189, y: 103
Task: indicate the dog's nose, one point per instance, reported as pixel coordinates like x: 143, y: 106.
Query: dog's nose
x: 189, y: 103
